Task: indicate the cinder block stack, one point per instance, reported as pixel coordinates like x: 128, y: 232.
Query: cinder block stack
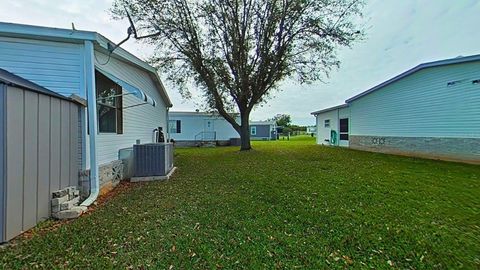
x: 65, y: 203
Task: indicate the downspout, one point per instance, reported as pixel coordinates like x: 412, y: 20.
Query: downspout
x: 167, y: 129
x: 92, y: 121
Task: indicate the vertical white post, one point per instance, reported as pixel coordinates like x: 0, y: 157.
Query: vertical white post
x: 92, y: 121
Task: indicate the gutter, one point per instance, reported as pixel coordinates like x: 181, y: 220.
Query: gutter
x: 92, y: 123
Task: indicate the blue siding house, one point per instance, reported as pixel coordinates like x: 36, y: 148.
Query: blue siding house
x: 431, y: 110
x: 125, y: 99
x: 263, y: 130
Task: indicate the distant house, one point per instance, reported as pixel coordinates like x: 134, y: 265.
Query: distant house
x: 431, y: 110
x: 311, y: 129
x: 263, y: 130
x: 192, y: 128
x: 124, y: 97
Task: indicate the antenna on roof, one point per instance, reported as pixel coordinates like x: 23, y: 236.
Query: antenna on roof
x: 130, y: 30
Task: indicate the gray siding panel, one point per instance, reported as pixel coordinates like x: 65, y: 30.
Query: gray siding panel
x: 74, y: 166
x: 43, y: 195
x: 30, y: 160
x: 64, y: 144
x: 263, y: 131
x: 54, y: 144
x: 2, y: 160
x: 41, y: 151
x: 14, y: 192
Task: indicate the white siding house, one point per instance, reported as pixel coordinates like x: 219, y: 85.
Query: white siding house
x: 431, y: 110
x: 192, y: 127
x: 328, y: 125
x: 125, y: 97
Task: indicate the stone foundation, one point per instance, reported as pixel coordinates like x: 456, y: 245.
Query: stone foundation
x: 202, y: 144
x: 110, y: 175
x: 454, y: 149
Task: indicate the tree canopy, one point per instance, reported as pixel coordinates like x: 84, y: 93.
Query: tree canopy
x: 283, y: 120
x: 238, y: 51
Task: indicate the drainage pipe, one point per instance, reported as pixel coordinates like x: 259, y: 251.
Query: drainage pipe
x: 92, y: 121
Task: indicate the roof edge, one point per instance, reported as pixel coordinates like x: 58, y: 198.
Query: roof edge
x: 77, y: 36
x: 329, y: 109
x: 17, y: 29
x: 450, y: 61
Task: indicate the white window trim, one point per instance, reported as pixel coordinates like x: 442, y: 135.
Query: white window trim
x: 253, y: 130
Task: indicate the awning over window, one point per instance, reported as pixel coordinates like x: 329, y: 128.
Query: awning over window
x: 129, y: 88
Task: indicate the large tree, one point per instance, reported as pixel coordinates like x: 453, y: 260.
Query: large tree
x: 238, y: 51
x: 283, y: 120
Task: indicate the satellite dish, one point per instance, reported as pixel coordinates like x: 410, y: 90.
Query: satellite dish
x: 131, y: 30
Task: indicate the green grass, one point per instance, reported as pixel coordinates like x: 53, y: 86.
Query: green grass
x: 286, y: 204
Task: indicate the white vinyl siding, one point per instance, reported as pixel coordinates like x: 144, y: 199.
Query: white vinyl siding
x: 57, y: 66
x: 423, y: 105
x: 193, y: 124
x: 138, y: 122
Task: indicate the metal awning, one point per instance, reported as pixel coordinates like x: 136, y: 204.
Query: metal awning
x: 132, y: 90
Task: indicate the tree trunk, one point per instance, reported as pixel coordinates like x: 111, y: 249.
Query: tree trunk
x: 245, y: 132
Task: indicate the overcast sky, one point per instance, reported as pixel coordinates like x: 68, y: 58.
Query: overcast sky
x: 400, y: 35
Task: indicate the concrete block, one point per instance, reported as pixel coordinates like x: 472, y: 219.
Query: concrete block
x: 59, y: 193
x: 57, y: 201
x: 71, y: 190
x: 71, y: 213
x: 55, y: 208
x: 76, y: 200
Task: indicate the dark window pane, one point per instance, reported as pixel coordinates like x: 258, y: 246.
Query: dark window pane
x: 179, y: 126
x: 106, y: 119
x: 344, y: 125
x: 344, y: 136
x: 109, y: 104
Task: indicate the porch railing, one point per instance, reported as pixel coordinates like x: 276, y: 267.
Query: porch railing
x: 206, y: 136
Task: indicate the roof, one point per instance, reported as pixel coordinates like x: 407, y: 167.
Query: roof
x: 457, y: 60
x: 330, y: 109
x: 17, y: 81
x: 79, y: 36
x: 260, y: 123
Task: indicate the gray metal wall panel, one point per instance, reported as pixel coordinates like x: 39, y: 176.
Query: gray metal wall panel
x: 54, y: 144
x: 64, y: 144
x: 14, y: 143
x: 74, y: 166
x: 30, y: 167
x: 37, y: 128
x: 2, y: 162
x: 43, y: 195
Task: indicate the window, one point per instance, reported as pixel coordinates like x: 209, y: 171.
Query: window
x: 253, y: 130
x: 174, y: 126
x: 109, y: 105
x: 326, y: 123
x: 344, y: 129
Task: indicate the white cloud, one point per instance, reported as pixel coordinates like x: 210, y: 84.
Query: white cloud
x: 400, y: 35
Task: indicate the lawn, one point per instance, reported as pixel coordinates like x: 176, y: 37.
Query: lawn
x: 287, y: 204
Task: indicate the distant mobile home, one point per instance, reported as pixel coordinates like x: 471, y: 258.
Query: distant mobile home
x: 431, y: 110
x: 263, y: 130
x: 190, y: 128
x: 124, y: 103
